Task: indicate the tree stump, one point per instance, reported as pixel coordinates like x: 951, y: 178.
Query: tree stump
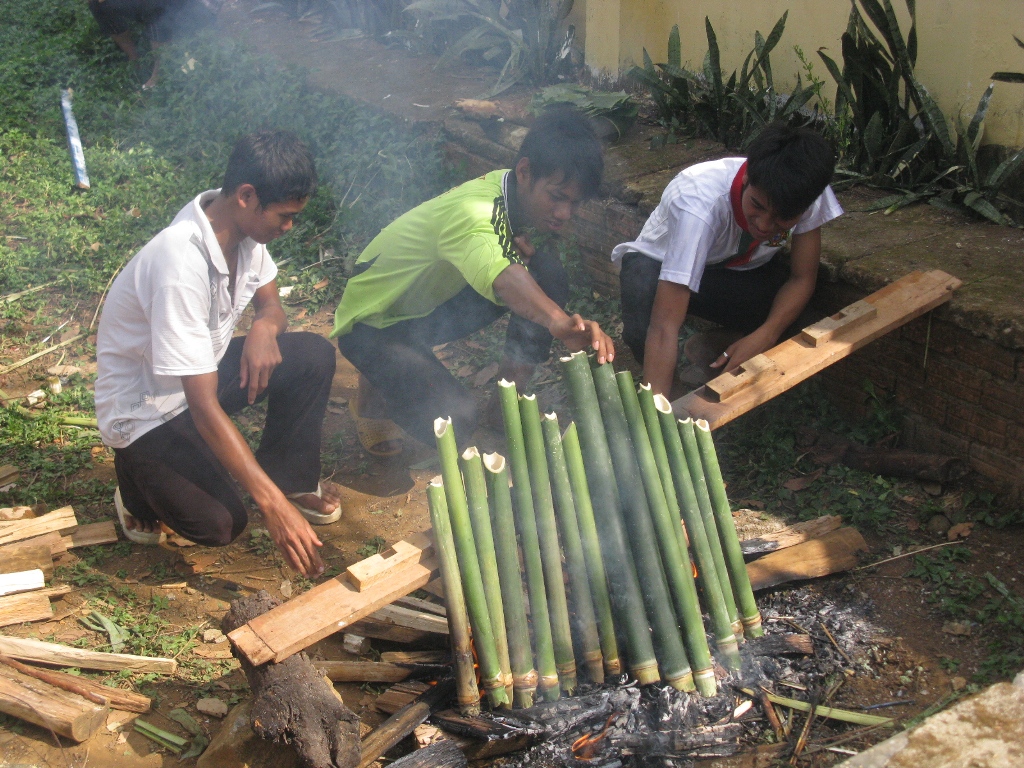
x: 292, y: 703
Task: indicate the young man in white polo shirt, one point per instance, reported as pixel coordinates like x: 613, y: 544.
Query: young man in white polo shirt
x: 170, y: 372
x: 710, y: 249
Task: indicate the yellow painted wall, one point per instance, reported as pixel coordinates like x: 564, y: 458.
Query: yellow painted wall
x: 961, y: 42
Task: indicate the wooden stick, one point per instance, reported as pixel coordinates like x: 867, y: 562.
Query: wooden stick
x: 59, y: 711
x: 26, y: 649
x: 908, y: 554
x: 373, y: 671
x: 15, y: 296
x: 19, y: 530
x: 829, y: 712
x: 117, y: 698
x: 402, y: 723
x: 37, y: 355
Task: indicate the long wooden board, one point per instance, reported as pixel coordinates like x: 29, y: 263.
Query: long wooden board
x: 37, y: 651
x: 330, y: 607
x: 798, y: 358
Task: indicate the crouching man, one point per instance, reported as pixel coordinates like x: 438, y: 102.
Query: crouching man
x: 454, y: 265
x: 170, y: 372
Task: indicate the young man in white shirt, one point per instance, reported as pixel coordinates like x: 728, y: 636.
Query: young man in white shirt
x: 170, y: 373
x: 710, y: 249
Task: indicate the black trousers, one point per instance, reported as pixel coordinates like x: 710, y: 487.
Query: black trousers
x: 170, y: 474
x: 739, y: 300
x: 400, y: 364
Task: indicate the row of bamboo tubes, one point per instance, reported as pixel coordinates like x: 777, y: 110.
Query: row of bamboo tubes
x: 625, y: 496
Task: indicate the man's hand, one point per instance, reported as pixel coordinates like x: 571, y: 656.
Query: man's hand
x: 294, y: 537
x: 577, y: 333
x: 260, y: 356
x: 742, y: 350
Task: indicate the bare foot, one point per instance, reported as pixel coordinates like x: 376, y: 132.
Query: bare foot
x: 324, y: 504
x: 133, y: 523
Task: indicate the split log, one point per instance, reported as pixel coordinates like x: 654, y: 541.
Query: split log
x: 400, y: 695
x: 376, y: 671
x: 117, y: 698
x: 292, y: 703
x: 791, y: 536
x: 417, y: 657
x: 411, y: 619
x: 481, y: 737
x: 37, y: 651
x: 18, y: 609
x: 832, y: 553
x: 66, y: 714
x: 827, y: 448
x: 441, y: 754
x: 780, y: 645
x: 712, y: 741
x: 22, y: 581
x: 405, y: 720
x: 379, y: 630
x: 418, y: 604
x: 19, y: 530
x: 26, y: 556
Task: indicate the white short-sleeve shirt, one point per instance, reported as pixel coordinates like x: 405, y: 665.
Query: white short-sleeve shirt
x: 169, y: 314
x: 695, y: 225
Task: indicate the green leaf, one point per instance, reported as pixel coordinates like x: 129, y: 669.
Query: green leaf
x: 1004, y: 171
x: 1008, y: 77
x: 976, y: 202
x: 934, y: 119
x: 674, y: 50
x: 974, y: 129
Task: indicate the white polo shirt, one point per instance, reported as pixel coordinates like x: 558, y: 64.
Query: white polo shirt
x: 696, y: 224
x: 169, y: 314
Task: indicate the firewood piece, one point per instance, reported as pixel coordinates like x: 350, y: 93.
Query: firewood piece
x: 22, y: 581
x: 896, y: 304
x: 399, y: 695
x: 91, y: 535
x: 841, y: 322
x: 58, y: 590
x: 411, y: 619
x: 17, y: 609
x: 25, y: 649
x: 481, y: 737
x: 292, y: 702
x: 378, y: 567
x: 27, y: 556
x: 832, y: 553
x: 17, y: 513
x: 379, y: 630
x: 64, y: 713
x: 791, y: 536
x: 724, y: 386
x: 328, y: 608
x: 417, y: 657
x: 18, y: 530
x: 781, y: 645
x: 418, y: 604
x: 435, y: 587
x: 711, y: 741
x: 926, y: 467
x: 375, y: 671
x: 405, y: 720
x: 116, y: 698
x: 441, y: 754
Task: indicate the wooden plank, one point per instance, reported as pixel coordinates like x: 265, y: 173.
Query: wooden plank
x: 327, y: 608
x: 90, y: 535
x: 378, y: 567
x: 36, y: 651
x: 417, y: 657
x: 791, y: 536
x: 66, y: 714
x: 19, y: 530
x: 421, y: 605
x: 831, y: 553
x: 406, y: 617
x: 379, y: 630
x: 22, y: 581
x: 17, y: 609
x: 27, y: 556
x: 746, y: 375
x: 796, y: 360
x: 842, y: 321
x: 400, y: 695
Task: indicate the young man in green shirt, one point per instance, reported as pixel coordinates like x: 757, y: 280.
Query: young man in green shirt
x: 457, y: 263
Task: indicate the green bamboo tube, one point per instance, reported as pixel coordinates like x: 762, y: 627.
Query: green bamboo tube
x: 591, y: 551
x: 668, y: 643
x: 749, y: 613
x: 524, y: 676
x: 674, y: 559
x: 650, y: 412
x: 707, y: 514
x: 480, y: 517
x: 526, y: 524
x: 469, y: 565
x: 547, y: 532
x: 572, y: 546
x: 466, y: 692
x: 623, y: 582
x: 720, y: 620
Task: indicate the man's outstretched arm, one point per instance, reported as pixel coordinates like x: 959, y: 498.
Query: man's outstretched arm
x: 661, y: 348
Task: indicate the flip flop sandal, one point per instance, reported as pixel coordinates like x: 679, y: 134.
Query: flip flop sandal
x: 314, y: 517
x: 139, y: 537
x: 375, y: 432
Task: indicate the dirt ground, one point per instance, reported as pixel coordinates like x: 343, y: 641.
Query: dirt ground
x: 386, y: 498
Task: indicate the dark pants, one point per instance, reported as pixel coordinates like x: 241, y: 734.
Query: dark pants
x: 739, y: 300
x: 163, y: 19
x: 417, y: 388
x: 171, y: 475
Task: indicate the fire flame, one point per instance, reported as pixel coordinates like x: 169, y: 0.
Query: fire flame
x: 586, y: 746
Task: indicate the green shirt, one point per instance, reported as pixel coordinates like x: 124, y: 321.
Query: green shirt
x: 428, y: 255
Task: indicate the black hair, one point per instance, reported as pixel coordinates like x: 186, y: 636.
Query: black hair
x: 792, y: 166
x: 277, y: 163
x: 562, y: 140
